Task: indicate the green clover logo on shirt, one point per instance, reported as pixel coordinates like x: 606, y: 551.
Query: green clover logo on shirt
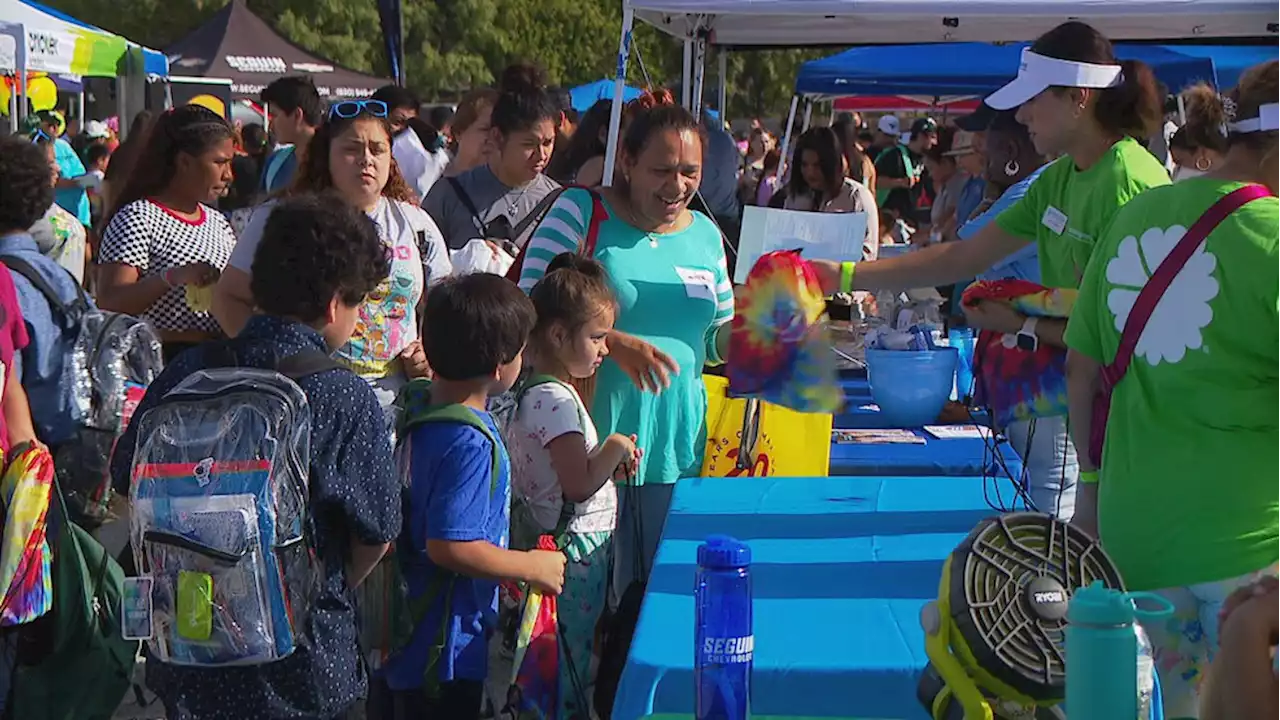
x: 1182, y: 313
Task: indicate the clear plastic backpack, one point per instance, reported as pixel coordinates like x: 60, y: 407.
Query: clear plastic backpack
x: 220, y: 518
x: 114, y: 359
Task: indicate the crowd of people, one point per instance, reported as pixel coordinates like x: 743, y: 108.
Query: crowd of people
x: 468, y: 414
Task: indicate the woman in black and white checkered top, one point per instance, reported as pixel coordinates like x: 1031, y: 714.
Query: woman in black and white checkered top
x: 165, y: 236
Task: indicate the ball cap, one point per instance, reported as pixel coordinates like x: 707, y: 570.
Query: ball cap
x: 1038, y: 73
x: 96, y: 129
x: 924, y: 126
x: 888, y: 125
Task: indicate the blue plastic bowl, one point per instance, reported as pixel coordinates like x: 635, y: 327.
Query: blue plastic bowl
x: 911, y: 386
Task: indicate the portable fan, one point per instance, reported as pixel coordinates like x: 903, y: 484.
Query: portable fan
x: 996, y: 633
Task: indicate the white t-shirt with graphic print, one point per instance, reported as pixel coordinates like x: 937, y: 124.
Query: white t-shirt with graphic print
x: 545, y: 413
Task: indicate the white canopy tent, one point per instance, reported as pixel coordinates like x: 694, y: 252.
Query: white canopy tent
x: 791, y: 23
x: 795, y: 23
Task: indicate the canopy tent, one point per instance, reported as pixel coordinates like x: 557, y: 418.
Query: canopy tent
x: 961, y: 69
x: 154, y: 62
x: 240, y: 46
x: 789, y: 23
x: 584, y: 96
x: 898, y: 103
x: 12, y: 46
x: 842, y: 22
x: 1229, y: 61
x: 57, y: 43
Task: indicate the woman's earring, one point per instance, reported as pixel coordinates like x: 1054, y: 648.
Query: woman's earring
x: 1205, y: 162
x: 1011, y: 168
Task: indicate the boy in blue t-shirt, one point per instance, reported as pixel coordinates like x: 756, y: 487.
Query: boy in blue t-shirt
x: 458, y: 515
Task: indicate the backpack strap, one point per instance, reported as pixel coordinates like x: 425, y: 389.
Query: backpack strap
x: 470, y: 204
x: 561, y: 531
x: 588, y: 246
x: 1149, y: 297
x: 536, y: 214
x: 275, y: 163
x: 72, y: 311
x: 306, y: 363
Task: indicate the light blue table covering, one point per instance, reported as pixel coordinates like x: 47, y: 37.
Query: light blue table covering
x: 842, y: 567
x: 952, y: 456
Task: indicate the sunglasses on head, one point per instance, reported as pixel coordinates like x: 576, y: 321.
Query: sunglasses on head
x: 39, y: 135
x: 348, y: 109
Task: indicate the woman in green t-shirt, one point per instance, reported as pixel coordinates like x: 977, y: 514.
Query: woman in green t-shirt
x: 1079, y: 102
x: 1189, y: 504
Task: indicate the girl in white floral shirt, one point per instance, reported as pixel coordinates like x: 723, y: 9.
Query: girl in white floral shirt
x: 561, y: 471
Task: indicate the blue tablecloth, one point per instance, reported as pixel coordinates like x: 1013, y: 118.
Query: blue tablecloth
x: 842, y: 567
x: 953, y: 456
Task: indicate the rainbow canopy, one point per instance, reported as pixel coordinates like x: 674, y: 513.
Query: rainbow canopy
x: 55, y: 43
x: 779, y: 349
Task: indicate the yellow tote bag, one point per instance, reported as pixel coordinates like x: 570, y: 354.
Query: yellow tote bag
x: 778, y: 442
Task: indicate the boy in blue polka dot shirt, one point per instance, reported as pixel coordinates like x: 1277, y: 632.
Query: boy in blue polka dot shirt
x: 318, y: 259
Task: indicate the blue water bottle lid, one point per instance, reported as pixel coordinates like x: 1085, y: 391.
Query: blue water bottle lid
x: 721, y: 552
x: 1098, y: 604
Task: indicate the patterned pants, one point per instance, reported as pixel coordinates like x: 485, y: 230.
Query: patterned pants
x: 586, y: 578
x: 1186, y: 642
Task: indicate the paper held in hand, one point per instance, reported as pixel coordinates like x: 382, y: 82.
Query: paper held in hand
x: 821, y: 236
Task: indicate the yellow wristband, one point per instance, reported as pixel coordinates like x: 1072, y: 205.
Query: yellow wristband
x: 1089, y: 477
x: 846, y: 276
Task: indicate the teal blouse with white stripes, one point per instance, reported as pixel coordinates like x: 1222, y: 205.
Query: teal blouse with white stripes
x: 673, y: 292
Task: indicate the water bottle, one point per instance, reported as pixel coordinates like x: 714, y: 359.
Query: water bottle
x: 1103, y: 651
x: 723, y: 639
x: 1146, y: 675
x: 962, y: 339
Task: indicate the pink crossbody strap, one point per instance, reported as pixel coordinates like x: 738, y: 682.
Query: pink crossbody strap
x: 1164, y: 275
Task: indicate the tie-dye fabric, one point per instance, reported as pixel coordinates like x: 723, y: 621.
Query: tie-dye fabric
x: 780, y: 349
x: 1018, y: 384
x: 26, y: 579
x: 1183, y: 645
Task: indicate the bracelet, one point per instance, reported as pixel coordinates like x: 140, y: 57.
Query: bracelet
x: 164, y: 277
x: 846, y: 276
x: 1089, y: 477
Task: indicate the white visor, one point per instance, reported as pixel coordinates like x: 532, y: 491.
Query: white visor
x: 1268, y: 119
x: 1038, y: 73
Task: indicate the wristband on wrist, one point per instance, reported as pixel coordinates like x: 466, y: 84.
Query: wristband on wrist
x: 1089, y: 477
x: 846, y: 276
x: 164, y: 275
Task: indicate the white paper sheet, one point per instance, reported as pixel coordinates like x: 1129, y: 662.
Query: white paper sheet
x: 822, y: 236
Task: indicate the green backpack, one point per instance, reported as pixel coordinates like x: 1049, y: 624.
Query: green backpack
x: 73, y: 663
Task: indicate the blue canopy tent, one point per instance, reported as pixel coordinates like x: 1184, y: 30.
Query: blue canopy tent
x: 584, y: 96
x: 961, y: 69
x: 1229, y: 61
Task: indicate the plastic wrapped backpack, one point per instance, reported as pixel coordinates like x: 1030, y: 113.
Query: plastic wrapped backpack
x: 780, y: 347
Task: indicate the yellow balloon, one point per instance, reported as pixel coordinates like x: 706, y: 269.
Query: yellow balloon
x: 5, y: 95
x: 211, y: 102
x: 42, y: 93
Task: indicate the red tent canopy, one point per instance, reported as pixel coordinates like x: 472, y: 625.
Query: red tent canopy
x: 895, y: 103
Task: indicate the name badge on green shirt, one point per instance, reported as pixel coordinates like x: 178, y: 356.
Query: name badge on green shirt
x: 1054, y: 219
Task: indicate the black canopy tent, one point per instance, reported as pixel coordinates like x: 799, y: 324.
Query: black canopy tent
x: 238, y: 45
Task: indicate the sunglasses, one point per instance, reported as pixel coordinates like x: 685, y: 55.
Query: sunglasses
x: 348, y: 109
x: 40, y: 136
